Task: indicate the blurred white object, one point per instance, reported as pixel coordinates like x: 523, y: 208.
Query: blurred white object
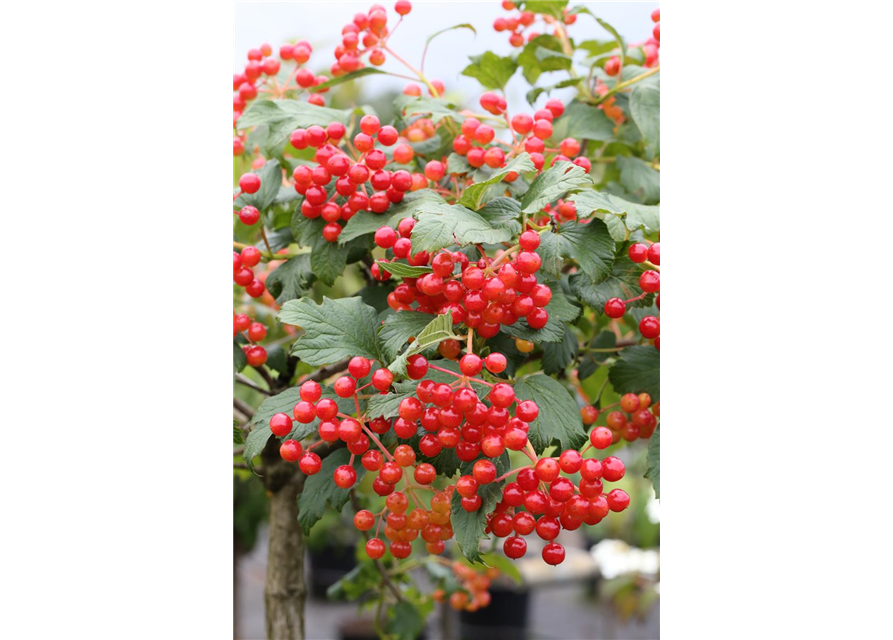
x: 653, y: 509
x: 616, y: 558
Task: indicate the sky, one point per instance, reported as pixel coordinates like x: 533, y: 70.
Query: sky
x: 321, y: 22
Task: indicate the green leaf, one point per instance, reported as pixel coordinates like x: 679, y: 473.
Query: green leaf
x: 637, y: 370
x: 435, y: 108
x: 442, y: 225
x: 639, y: 178
x: 277, y: 360
x: 552, y: 332
x: 353, y: 75
x: 543, y: 53
x: 292, y: 279
x: 583, y: 122
x: 594, y: 359
x: 464, y: 25
x: 557, y: 355
x: 256, y: 441
x: 403, y: 270
x: 319, y: 489
x: 240, y: 360
x: 367, y: 222
x: 333, y: 330
x: 505, y: 566
x: 270, y: 181
x: 559, y: 417
x: 597, y: 47
x: 623, y: 283
x: 284, y: 116
x: 491, y: 70
x: 468, y: 526
x: 553, y: 184
x: 328, y: 260
x: 644, y: 107
x: 438, y: 330
x: 458, y: 164
x: 398, y: 328
x: 624, y: 214
x: 503, y: 213
x: 405, y: 622
x: 653, y: 472
x: 534, y: 93
x: 617, y: 38
x: 554, y: 8
x: 474, y: 194
x: 386, y: 405
x: 589, y: 244
x: 362, y: 578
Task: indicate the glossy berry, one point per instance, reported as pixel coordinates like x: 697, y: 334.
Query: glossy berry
x: 249, y: 183
x: 375, y: 548
x: 553, y: 553
x: 290, y: 450
x: 345, y: 476
x: 638, y: 252
x: 280, y: 424
x: 601, y: 437
x: 310, y: 463
x: 615, y: 308
x: 514, y: 547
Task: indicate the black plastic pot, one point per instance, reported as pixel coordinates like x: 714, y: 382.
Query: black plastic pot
x: 362, y: 629
x: 328, y: 565
x: 505, y: 618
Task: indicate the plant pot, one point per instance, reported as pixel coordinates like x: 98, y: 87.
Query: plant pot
x: 362, y: 629
x: 505, y: 618
x: 328, y: 565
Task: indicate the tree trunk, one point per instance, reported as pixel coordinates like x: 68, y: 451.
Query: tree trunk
x: 235, y: 588
x: 285, y: 592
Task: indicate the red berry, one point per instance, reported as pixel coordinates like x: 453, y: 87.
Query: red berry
x: 515, y: 547
x: 345, y: 386
x: 638, y: 252
x: 618, y: 499
x: 416, y: 366
x: 310, y: 463
x: 529, y: 240
x: 553, y: 553
x: 649, y: 327
x: 601, y: 437
x: 359, y: 367
x: 613, y: 469
x: 290, y: 450
x: 495, y: 363
x: 280, y: 424
x: 375, y: 548
x: 615, y: 308
x: 650, y: 282
x: 249, y: 183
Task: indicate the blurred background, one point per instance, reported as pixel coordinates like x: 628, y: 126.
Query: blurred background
x: 609, y: 585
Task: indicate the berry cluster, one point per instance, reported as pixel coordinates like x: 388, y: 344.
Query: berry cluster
x: 243, y: 274
x: 649, y: 282
x: 517, y: 24
x: 256, y: 331
x: 352, y: 170
x: 552, y: 502
x: 637, y: 419
x: 366, y: 36
x: 260, y: 76
x: 529, y: 133
x: 484, y: 295
x: 472, y: 592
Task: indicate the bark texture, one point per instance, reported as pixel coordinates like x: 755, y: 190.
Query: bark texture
x: 285, y: 592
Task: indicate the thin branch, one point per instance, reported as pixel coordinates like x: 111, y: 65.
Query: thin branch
x: 326, y: 372
x: 243, y: 408
x: 245, y: 381
x: 385, y: 579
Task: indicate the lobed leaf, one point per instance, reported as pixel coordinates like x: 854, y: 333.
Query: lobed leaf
x: 333, y: 330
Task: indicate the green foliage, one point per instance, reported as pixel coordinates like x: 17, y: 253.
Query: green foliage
x: 637, y: 370
x: 653, y: 472
x: 319, y: 490
x: 492, y: 71
x: 333, y: 330
x: 469, y: 526
x: 559, y: 417
x: 553, y: 184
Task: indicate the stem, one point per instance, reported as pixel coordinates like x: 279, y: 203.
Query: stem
x: 513, y: 472
x: 263, y: 234
x: 378, y: 443
x: 627, y: 83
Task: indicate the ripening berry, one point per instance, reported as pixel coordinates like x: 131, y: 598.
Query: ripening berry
x: 530, y: 240
x: 601, y: 438
x: 256, y: 332
x: 403, y: 7
x: 612, y: 66
x: 249, y: 183
x: 570, y: 461
x: 614, y: 469
x: 556, y: 107
x: 553, y: 553
x: 375, y: 548
x: 290, y: 450
x: 310, y: 463
x: 256, y: 356
x: 514, y: 547
x: 649, y: 281
x: 280, y: 424
x: 416, y: 366
x: 547, y: 469
x: 364, y: 520
x: 369, y: 124
x: 638, y: 252
x: 524, y: 346
x: 649, y: 327
x: 495, y: 363
x: 615, y: 308
x: 484, y: 471
x: 425, y: 473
